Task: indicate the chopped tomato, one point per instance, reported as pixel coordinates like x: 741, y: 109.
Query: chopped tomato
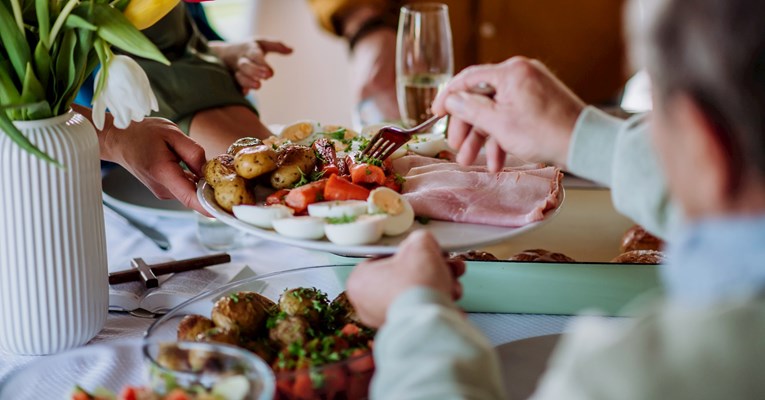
x: 177, y: 394
x: 362, y: 361
x: 393, y: 183
x: 277, y: 197
x: 350, y: 330
x: 335, y: 380
x: 340, y: 189
x: 367, y: 173
x: 80, y: 394
x: 128, y: 393
x: 446, y: 155
x: 330, y: 169
x: 303, y: 388
x: 299, y: 198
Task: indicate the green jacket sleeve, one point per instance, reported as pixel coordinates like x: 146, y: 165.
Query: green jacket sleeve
x: 618, y: 154
x: 428, y: 350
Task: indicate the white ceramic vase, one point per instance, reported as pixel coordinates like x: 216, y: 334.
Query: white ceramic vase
x: 53, y: 268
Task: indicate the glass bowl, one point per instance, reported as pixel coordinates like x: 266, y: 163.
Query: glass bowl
x: 345, y: 379
x: 117, y: 365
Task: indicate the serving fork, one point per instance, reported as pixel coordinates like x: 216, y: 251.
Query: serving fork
x: 390, y: 138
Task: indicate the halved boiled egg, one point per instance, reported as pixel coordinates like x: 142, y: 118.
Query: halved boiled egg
x: 262, y: 216
x: 304, y: 227
x: 300, y: 131
x: 400, y: 213
x: 364, y: 229
x: 337, y: 209
x: 428, y: 144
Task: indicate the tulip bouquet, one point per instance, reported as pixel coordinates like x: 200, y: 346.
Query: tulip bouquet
x: 49, y: 47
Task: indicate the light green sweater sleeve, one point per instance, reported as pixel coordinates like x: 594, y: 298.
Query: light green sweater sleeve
x: 618, y: 154
x: 428, y: 350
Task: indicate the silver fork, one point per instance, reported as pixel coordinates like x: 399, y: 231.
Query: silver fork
x: 390, y: 138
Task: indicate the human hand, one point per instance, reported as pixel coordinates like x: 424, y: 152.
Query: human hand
x: 531, y: 116
x: 373, y: 72
x: 247, y: 60
x: 151, y: 150
x: 374, y: 285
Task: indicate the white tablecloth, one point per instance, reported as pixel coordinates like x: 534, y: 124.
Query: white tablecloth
x: 125, y: 242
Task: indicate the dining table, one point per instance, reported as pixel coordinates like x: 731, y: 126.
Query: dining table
x: 587, y: 209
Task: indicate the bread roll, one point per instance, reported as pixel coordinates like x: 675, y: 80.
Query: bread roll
x: 636, y: 238
x: 474, y: 255
x: 541, y: 255
x: 640, y: 257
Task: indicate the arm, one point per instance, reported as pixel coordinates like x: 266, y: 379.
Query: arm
x: 152, y: 150
x: 537, y: 118
x: 428, y: 350
x: 369, y: 26
x: 618, y: 154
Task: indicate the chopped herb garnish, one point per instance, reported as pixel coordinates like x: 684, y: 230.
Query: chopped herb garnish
x: 337, y: 135
x: 316, y: 175
x: 422, y: 220
x: 302, y: 181
x: 345, y: 219
x: 400, y: 180
x: 234, y: 297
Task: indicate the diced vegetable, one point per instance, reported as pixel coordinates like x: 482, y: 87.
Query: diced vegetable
x: 362, y: 361
x: 338, y: 188
x: 366, y: 173
x: 300, y: 198
x: 277, y: 197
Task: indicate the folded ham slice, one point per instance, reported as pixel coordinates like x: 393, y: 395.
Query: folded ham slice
x: 518, y: 195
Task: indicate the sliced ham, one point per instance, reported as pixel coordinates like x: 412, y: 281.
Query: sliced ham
x: 405, y: 164
x: 514, y: 197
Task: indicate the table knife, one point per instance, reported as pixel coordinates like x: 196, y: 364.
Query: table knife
x: 156, y: 236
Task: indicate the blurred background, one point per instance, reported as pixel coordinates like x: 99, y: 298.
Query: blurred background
x: 312, y: 83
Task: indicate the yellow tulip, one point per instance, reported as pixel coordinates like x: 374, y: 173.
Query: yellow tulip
x: 145, y: 13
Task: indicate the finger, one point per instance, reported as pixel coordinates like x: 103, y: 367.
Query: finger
x: 273, y: 47
x: 458, y: 267
x: 187, y: 150
x: 173, y: 178
x: 471, y: 147
x: 476, y: 110
x: 495, y: 156
x: 254, y: 67
x: 457, y: 133
x: 247, y: 82
x: 469, y: 77
x: 457, y: 291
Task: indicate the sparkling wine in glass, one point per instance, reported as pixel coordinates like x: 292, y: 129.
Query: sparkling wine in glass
x: 424, y: 60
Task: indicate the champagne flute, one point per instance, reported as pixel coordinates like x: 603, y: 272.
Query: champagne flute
x: 424, y: 60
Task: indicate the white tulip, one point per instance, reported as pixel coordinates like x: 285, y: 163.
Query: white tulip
x: 126, y: 93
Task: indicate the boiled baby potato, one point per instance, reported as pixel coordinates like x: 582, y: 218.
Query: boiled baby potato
x: 252, y: 162
x: 243, y: 143
x: 233, y: 192
x: 218, y: 169
x: 192, y: 325
x: 290, y: 330
x: 294, y: 161
x: 308, y: 303
x: 242, y: 311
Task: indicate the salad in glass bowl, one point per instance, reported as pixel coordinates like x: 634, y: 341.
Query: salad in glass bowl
x: 299, y: 321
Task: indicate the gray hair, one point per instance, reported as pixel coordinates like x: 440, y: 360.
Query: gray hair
x: 713, y: 51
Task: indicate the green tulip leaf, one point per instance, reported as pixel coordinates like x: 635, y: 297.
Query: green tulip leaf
x: 75, y: 21
x: 43, y: 19
x: 117, y: 30
x: 14, y: 42
x: 42, y: 63
x: 9, y: 94
x: 66, y: 70
x: 7, y: 126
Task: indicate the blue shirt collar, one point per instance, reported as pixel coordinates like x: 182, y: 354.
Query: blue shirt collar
x: 715, y: 260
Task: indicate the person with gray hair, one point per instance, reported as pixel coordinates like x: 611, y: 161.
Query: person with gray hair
x: 704, y: 338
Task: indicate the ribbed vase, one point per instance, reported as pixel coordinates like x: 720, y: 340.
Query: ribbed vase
x: 53, y: 268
